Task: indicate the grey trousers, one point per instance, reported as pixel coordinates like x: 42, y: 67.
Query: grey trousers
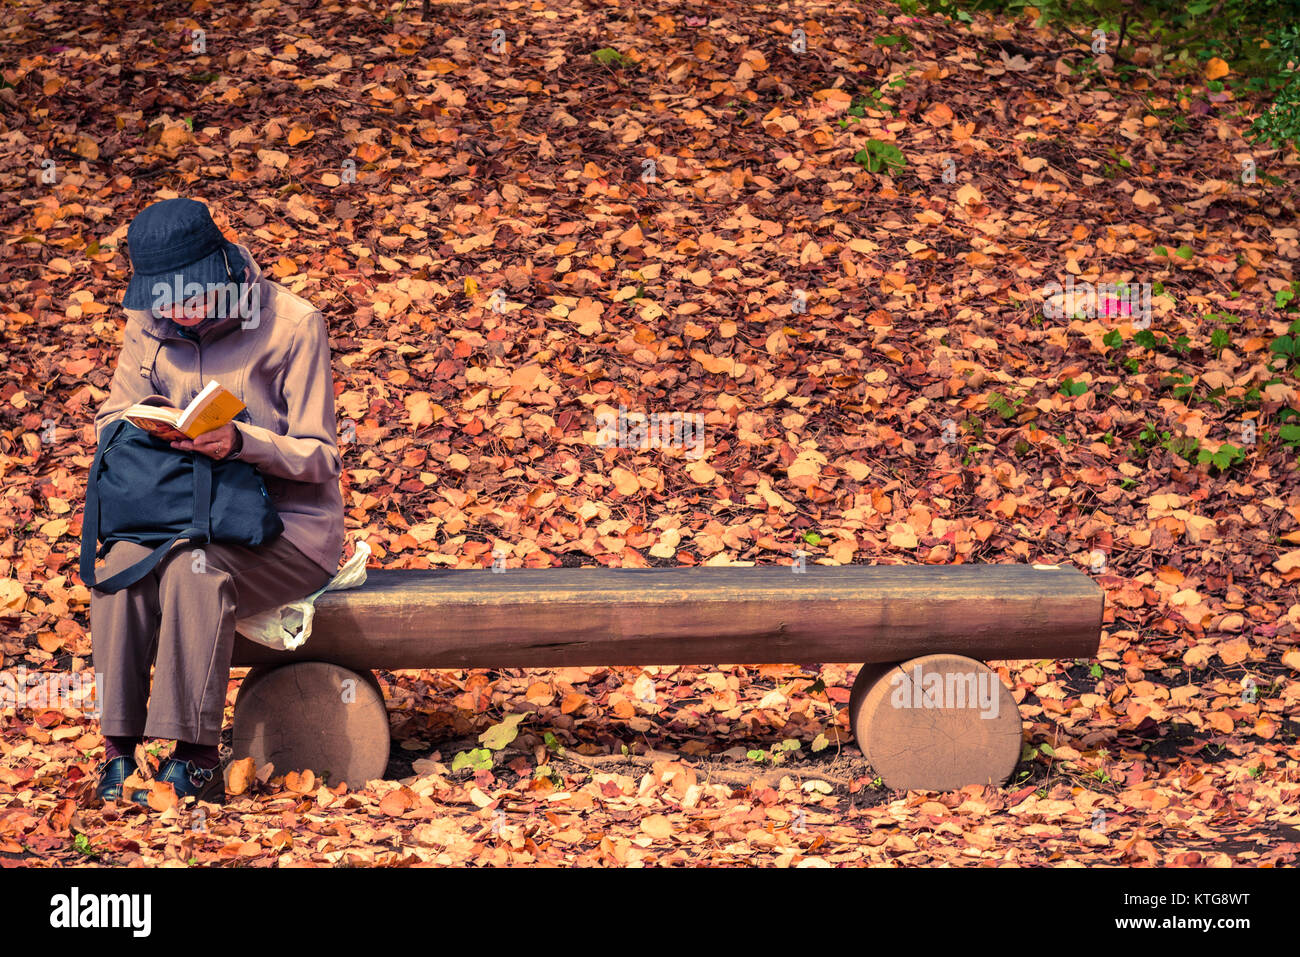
x: 183, y: 614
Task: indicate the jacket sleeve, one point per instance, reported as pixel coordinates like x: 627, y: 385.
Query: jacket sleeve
x: 309, y: 451
x: 128, y: 386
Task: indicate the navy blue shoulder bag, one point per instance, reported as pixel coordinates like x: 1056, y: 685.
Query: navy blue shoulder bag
x: 142, y: 490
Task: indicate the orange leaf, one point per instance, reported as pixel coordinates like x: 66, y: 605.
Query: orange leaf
x: 240, y: 775
x: 939, y: 115
x: 1234, y: 652
x: 1170, y: 576
x: 87, y: 147
x: 1289, y: 561
x: 419, y: 407
x: 1219, y: 722
x: 625, y: 481
x: 658, y: 827
x: 12, y: 597
x: 161, y: 795
x: 300, y: 783
x: 396, y: 803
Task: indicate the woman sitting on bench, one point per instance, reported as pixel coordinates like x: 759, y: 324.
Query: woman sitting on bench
x: 272, y: 352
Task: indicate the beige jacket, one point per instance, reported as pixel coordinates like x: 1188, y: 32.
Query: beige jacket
x: 277, y: 360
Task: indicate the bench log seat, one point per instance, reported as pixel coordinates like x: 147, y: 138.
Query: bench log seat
x: 321, y: 707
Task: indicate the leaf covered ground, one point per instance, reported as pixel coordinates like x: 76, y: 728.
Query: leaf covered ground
x: 705, y: 220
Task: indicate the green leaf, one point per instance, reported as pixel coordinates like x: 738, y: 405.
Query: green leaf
x: 880, y: 155
x: 1184, y: 252
x: 479, y: 759
x: 820, y: 743
x: 499, y: 735
x: 608, y: 56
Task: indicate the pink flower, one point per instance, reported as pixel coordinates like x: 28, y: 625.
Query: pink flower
x: 1111, y: 306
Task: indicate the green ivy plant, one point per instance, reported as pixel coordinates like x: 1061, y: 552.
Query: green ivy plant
x: 880, y: 155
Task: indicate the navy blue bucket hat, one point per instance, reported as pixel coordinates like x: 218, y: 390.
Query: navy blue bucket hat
x: 177, y: 237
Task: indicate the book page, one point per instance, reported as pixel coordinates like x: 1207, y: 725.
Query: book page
x: 156, y: 421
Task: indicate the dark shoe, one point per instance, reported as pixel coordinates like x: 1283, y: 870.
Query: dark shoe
x: 111, y: 775
x: 205, y: 784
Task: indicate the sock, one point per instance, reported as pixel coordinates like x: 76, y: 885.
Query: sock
x: 203, y: 755
x: 115, y: 746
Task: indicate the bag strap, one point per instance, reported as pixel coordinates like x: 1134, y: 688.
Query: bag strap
x: 131, y: 575
x: 203, y: 496
x: 90, y: 520
x: 197, y: 533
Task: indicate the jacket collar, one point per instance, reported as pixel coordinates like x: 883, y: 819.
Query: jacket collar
x: 161, y: 327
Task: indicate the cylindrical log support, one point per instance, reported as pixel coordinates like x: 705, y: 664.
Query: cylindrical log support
x: 311, y: 714
x: 936, y: 723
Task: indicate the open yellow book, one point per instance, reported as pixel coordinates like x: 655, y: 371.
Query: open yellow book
x: 211, y: 409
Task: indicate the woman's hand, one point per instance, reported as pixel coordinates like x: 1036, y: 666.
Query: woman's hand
x: 216, y: 444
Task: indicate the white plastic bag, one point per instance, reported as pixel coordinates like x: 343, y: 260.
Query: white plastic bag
x: 289, y: 626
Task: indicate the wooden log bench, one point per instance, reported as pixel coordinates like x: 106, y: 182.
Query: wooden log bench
x: 925, y: 709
